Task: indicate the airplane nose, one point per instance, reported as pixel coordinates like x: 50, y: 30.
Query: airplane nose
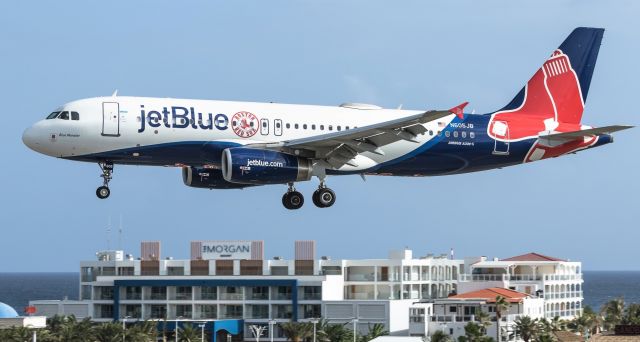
x: 29, y: 139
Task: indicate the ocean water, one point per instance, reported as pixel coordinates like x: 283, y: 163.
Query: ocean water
x: 16, y: 289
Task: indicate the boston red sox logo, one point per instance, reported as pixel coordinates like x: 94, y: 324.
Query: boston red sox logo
x: 244, y: 124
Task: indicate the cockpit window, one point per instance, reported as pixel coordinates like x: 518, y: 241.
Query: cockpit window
x: 64, y: 115
x: 53, y: 115
x: 75, y: 116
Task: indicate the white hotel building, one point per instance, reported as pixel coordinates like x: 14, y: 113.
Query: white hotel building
x: 558, y: 281
x: 229, y: 285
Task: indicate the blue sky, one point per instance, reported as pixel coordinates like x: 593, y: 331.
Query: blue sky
x: 422, y: 54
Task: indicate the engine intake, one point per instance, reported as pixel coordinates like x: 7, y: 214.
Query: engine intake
x: 254, y: 166
x: 207, y: 178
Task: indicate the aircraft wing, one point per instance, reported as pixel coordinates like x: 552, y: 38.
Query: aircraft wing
x: 583, y: 133
x: 339, y: 148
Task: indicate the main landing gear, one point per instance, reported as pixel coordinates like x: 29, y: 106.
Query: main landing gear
x: 107, y: 174
x: 322, y: 198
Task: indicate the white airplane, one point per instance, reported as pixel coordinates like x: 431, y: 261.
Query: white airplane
x: 227, y: 145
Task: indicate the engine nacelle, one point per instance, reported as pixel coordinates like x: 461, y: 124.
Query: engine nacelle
x: 255, y: 166
x: 207, y: 178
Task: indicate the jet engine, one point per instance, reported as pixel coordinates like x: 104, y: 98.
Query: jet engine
x: 255, y: 166
x: 197, y: 177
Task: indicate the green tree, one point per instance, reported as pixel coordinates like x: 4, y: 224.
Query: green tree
x: 188, y: 333
x: 337, y: 333
x: 375, y: 330
x: 612, y: 312
x: 143, y: 332
x: 473, y: 333
x: 526, y: 327
x: 632, y: 315
x: 502, y: 306
x: 440, y: 336
x: 297, y: 331
x: 484, y: 319
x: 108, y: 332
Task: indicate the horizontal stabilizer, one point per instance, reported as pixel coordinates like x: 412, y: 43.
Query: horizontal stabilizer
x: 584, y: 133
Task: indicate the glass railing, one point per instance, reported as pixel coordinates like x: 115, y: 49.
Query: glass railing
x: 360, y: 277
x: 231, y: 296
x: 500, y: 277
x: 281, y: 296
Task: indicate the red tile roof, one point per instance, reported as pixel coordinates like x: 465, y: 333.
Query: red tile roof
x: 532, y: 257
x: 490, y: 295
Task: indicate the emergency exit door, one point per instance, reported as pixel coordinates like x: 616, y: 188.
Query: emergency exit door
x: 111, y: 119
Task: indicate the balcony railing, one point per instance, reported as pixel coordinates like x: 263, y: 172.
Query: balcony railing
x: 573, y: 294
x: 500, y: 277
x: 552, y: 277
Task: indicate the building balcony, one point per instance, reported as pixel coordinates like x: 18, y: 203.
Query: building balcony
x: 575, y: 294
x: 500, y: 277
x: 561, y: 277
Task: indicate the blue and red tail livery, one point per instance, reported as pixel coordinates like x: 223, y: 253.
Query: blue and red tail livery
x: 232, y: 145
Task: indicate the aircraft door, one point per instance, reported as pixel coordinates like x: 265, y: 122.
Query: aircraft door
x: 110, y: 119
x: 277, y: 127
x: 500, y: 130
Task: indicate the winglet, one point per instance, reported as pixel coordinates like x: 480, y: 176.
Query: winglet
x: 457, y: 110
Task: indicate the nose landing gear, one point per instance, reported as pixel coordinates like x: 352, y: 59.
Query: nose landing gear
x: 107, y: 174
x: 292, y: 199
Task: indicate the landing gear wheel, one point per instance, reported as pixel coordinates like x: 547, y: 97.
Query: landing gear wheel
x: 107, y: 174
x: 103, y: 192
x: 324, y: 197
x: 292, y: 200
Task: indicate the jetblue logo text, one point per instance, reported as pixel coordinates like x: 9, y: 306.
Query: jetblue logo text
x: 181, y: 117
x: 258, y: 162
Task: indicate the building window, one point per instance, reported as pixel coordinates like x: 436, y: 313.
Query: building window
x: 453, y: 309
x: 133, y: 293
x: 183, y: 310
x: 183, y: 293
x: 158, y: 293
x: 158, y: 311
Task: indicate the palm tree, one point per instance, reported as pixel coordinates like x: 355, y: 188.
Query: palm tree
x: 526, y: 327
x: 143, y: 332
x: 632, y: 315
x: 337, y: 333
x: 375, y: 330
x: 484, y: 319
x: 108, y: 332
x: 613, y: 312
x: 440, y: 336
x: 502, y: 305
x: 188, y: 333
x: 296, y: 331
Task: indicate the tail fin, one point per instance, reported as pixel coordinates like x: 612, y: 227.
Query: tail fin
x: 559, y: 88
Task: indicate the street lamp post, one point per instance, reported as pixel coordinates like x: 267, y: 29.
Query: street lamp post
x: 355, y: 329
x: 314, y: 321
x: 124, y: 327
x: 272, y: 323
x: 177, y: 319
x: 202, y: 325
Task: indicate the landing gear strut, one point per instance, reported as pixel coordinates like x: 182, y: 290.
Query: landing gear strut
x: 107, y: 174
x: 323, y: 197
x: 292, y: 199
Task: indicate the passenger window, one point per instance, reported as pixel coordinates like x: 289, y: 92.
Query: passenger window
x: 264, y: 124
x: 464, y: 134
x: 322, y: 127
x: 304, y: 126
x: 277, y: 124
x: 64, y: 115
x: 330, y: 128
x: 430, y: 132
x: 313, y: 127
x: 295, y: 126
x: 347, y: 128
x: 53, y: 115
x: 288, y: 125
x: 447, y: 134
x: 338, y: 128
x: 455, y: 134
x: 472, y: 135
